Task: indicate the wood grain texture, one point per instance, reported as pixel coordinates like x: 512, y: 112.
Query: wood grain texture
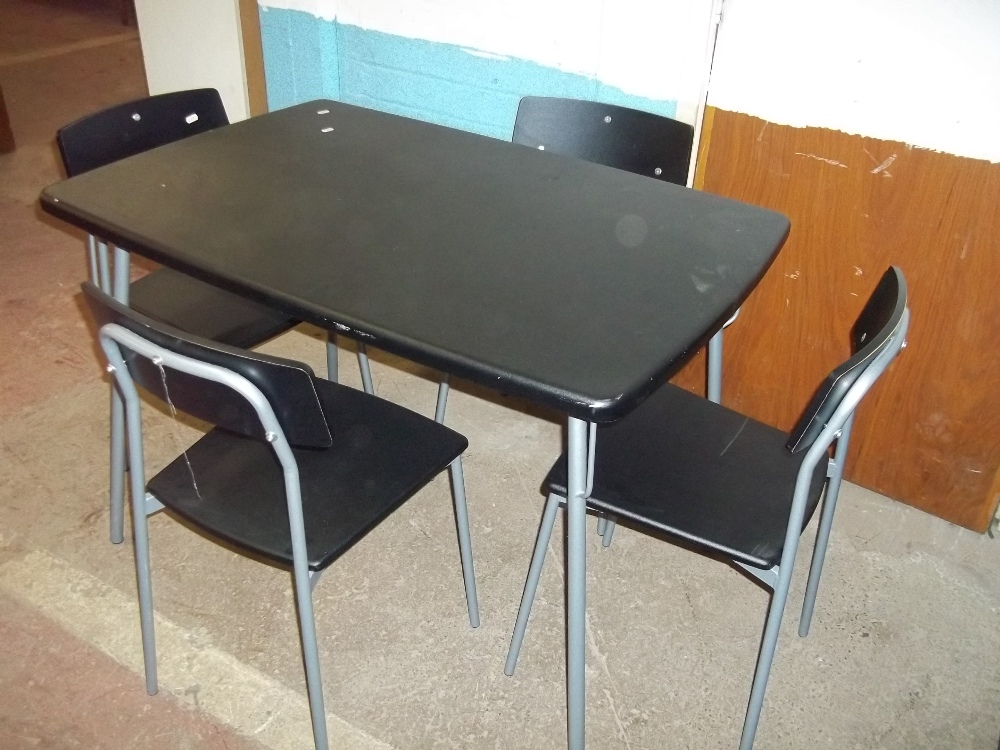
x: 253, y: 56
x: 929, y: 433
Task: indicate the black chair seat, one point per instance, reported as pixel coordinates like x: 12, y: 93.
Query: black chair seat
x: 691, y: 468
x: 381, y: 455
x: 205, y: 310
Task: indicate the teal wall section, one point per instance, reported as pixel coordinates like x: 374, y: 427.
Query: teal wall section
x: 308, y: 58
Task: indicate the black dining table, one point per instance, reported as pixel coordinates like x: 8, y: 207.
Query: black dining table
x: 575, y: 286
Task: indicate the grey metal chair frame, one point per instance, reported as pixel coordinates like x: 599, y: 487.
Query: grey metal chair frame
x: 113, y: 338
x: 777, y: 578
x: 112, y: 277
x: 109, y: 269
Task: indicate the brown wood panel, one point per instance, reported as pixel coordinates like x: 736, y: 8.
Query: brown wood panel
x: 253, y: 56
x: 929, y: 434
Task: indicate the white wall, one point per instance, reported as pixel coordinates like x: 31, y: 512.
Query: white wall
x: 189, y: 44
x: 925, y: 72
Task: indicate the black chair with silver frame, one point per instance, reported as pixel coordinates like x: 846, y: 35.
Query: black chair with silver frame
x: 716, y: 480
x: 296, y: 471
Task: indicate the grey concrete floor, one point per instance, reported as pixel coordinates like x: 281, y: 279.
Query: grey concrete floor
x: 904, y: 650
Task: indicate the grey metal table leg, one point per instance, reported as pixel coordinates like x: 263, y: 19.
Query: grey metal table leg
x: 332, y: 370
x: 120, y: 275
x: 714, y: 391
x: 576, y: 580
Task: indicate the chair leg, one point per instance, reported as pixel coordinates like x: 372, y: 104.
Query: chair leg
x: 442, y: 400
x: 714, y: 389
x: 140, y: 533
x: 531, y: 584
x: 609, y: 530
x: 114, y: 277
x: 117, y: 467
x: 825, y: 524
x: 765, y: 658
x: 464, y: 540
x: 602, y: 524
x: 310, y: 656
x: 332, y: 367
x: 366, y: 373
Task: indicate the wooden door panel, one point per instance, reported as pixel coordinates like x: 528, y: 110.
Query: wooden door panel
x: 929, y: 434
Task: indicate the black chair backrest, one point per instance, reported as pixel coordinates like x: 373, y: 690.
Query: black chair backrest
x: 606, y: 134
x: 287, y: 385
x: 129, y: 129
x: 869, y: 336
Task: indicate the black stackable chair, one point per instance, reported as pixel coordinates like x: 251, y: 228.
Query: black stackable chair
x: 170, y: 296
x: 295, y: 472
x: 165, y: 294
x: 684, y: 467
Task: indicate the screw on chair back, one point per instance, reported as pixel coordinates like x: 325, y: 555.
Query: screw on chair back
x: 619, y: 137
x: 134, y: 127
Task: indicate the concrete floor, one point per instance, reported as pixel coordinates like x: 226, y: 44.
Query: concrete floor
x: 904, y: 650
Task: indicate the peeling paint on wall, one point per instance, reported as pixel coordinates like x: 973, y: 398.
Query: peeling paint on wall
x: 307, y: 57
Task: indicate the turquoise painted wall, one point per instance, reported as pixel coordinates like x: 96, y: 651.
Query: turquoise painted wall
x: 309, y: 58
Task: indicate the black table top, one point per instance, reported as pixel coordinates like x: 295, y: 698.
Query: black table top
x: 575, y: 285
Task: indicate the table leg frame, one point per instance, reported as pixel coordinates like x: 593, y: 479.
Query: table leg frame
x: 576, y: 582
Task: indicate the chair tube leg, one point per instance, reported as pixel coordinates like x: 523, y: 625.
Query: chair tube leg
x: 609, y: 531
x: 332, y: 365
x: 602, y: 524
x: 115, y: 279
x: 442, y: 400
x: 303, y: 597
x: 825, y: 524
x: 714, y: 389
x: 531, y: 584
x: 117, y: 467
x: 765, y: 658
x: 464, y: 540
x: 140, y: 533
x: 366, y: 372
x: 310, y: 655
x: 314, y: 576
